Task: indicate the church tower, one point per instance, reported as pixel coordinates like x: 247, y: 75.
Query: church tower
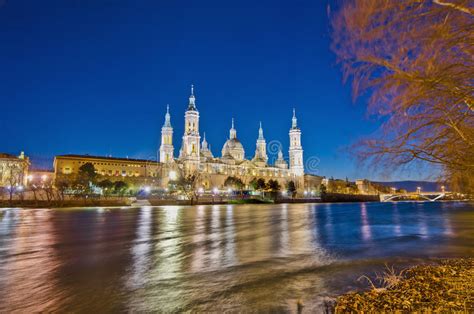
x: 296, y: 150
x: 166, y: 147
x: 261, y: 151
x: 189, y: 152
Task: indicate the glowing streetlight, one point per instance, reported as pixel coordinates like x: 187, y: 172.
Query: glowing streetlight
x: 44, y: 177
x: 229, y: 190
x: 200, y: 190
x: 147, y: 189
x: 173, y: 175
x: 30, y: 177
x: 215, y: 190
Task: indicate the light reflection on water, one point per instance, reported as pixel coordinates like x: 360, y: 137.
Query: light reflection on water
x: 216, y: 257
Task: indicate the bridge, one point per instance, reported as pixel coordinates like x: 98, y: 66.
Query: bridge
x: 429, y: 196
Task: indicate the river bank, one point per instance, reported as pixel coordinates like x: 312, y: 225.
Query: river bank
x: 207, y: 258
x: 66, y: 203
x: 129, y: 201
x: 444, y: 286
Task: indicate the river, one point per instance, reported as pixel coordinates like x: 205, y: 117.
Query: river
x: 215, y: 257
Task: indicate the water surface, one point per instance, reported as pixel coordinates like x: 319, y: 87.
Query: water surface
x: 216, y: 257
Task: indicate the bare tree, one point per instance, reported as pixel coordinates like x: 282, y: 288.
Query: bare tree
x: 188, y: 183
x: 415, y: 61
x: 15, y: 175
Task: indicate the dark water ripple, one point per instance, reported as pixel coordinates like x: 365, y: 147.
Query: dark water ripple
x: 214, y: 258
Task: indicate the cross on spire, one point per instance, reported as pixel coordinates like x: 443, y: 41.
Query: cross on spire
x: 192, y: 99
x: 294, y: 120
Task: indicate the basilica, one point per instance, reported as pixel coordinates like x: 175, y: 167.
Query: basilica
x: 196, y: 157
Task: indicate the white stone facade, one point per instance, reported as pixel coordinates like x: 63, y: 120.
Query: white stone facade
x: 198, y: 158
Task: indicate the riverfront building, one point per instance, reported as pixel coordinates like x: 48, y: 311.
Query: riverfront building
x: 196, y: 158
x: 133, y: 171
x: 13, y: 170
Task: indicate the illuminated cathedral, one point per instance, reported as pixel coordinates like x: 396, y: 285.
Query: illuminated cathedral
x: 195, y: 155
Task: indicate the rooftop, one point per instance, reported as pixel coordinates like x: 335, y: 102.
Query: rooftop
x: 5, y: 155
x: 103, y: 158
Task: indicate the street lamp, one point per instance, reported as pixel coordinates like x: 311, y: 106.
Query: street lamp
x: 173, y: 175
x: 215, y: 191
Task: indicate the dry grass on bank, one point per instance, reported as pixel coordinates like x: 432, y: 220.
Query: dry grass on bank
x: 447, y: 286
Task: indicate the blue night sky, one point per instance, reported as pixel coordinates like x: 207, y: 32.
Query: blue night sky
x: 94, y: 77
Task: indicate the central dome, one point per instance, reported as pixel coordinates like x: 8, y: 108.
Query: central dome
x: 234, y: 148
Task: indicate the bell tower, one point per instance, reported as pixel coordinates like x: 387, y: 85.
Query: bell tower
x: 166, y: 147
x: 296, y: 150
x: 261, y: 151
x: 190, y: 148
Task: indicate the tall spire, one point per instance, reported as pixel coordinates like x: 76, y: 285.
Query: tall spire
x: 260, y: 132
x: 192, y: 99
x: 293, y: 120
x: 280, y: 154
x: 167, y: 117
x: 204, y: 142
x: 233, y: 131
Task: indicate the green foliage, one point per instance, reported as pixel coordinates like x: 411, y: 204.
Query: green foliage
x: 87, y: 171
x: 322, y: 190
x: 107, y: 186
x: 85, y: 179
x: 291, y: 188
x: 261, y: 184
x: 120, y: 187
x: 273, y: 185
x: 253, y: 184
x: 234, y: 182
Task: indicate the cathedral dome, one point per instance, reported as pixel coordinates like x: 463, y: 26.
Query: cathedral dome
x: 234, y: 148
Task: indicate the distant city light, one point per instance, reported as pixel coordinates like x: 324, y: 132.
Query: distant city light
x: 44, y: 177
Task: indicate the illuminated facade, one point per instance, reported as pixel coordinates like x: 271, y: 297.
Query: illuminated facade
x: 133, y: 171
x: 197, y: 158
x: 13, y: 170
